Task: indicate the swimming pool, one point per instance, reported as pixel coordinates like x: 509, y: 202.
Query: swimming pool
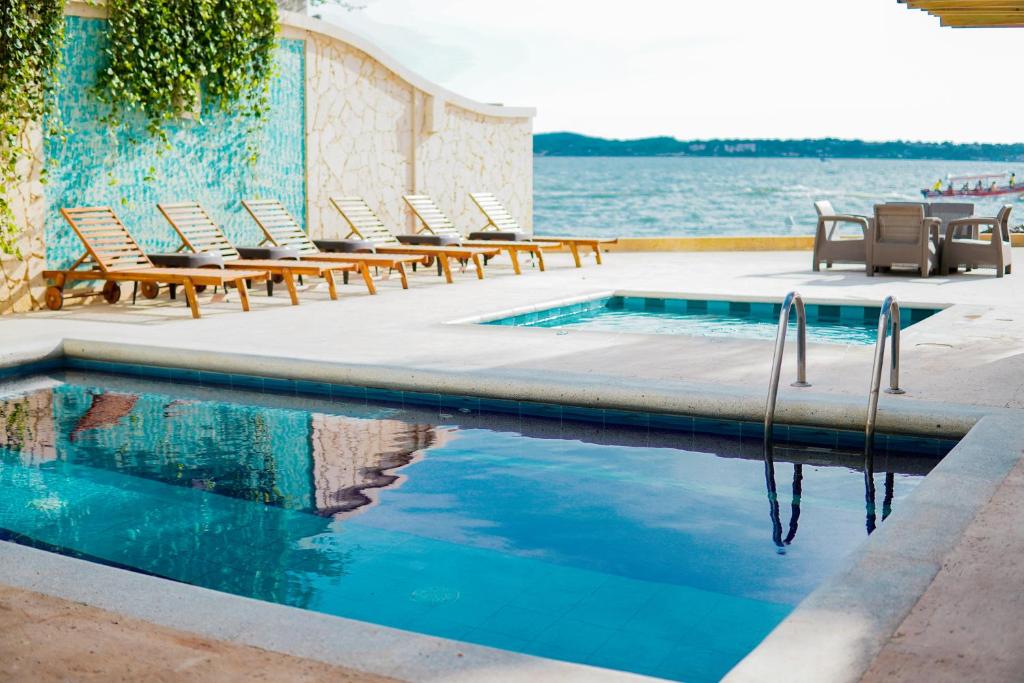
x: 635, y: 541
x: 826, y: 323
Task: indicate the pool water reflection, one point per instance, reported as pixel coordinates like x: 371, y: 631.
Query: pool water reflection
x: 631, y: 548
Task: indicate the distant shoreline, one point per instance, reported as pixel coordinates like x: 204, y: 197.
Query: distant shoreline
x: 576, y: 145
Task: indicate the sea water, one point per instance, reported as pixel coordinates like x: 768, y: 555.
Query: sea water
x: 653, y: 196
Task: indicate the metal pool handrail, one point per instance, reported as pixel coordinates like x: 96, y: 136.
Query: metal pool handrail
x: 792, y: 299
x: 888, y: 316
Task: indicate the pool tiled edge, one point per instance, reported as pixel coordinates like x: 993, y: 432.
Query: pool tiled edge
x: 687, y: 424
x: 652, y: 300
x: 904, y: 415
x: 855, y: 315
x: 784, y: 434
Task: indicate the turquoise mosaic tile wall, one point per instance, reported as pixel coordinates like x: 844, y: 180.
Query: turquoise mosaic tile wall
x: 207, y: 161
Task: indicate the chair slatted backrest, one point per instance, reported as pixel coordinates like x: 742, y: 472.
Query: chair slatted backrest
x: 947, y: 211
x: 899, y: 223
x: 498, y: 217
x: 107, y: 242
x: 197, y: 230
x: 433, y: 219
x: 362, y: 221
x: 278, y: 226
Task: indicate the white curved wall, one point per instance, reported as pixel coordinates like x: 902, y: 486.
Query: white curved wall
x: 379, y: 131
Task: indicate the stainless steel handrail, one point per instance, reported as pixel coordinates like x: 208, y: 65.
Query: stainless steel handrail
x: 888, y: 316
x: 792, y: 299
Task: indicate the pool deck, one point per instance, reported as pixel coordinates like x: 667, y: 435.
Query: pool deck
x: 957, y: 366
x: 50, y: 640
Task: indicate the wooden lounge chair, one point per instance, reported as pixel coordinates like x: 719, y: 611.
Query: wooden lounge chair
x: 281, y: 229
x: 973, y: 251
x: 199, y: 233
x: 502, y: 225
x: 829, y: 247
x: 112, y: 256
x: 435, y: 222
x: 903, y: 235
x: 364, y: 224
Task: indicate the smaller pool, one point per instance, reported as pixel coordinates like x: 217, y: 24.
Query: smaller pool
x: 826, y: 323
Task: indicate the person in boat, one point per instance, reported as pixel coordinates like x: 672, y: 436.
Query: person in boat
x: 992, y: 187
x: 1013, y: 179
x: 937, y: 187
x: 949, y: 189
x: 979, y: 186
x: 966, y: 187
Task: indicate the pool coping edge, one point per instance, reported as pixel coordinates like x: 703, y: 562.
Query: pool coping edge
x: 837, y: 631
x: 334, y: 640
x: 897, y: 415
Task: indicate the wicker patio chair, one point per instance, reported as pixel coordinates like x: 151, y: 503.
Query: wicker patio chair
x: 973, y: 251
x: 901, y: 235
x: 831, y: 248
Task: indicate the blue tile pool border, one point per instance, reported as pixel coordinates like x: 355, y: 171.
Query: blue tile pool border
x: 854, y: 314
x: 455, y: 403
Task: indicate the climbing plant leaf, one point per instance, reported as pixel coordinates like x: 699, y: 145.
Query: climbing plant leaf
x: 161, y: 55
x: 31, y: 36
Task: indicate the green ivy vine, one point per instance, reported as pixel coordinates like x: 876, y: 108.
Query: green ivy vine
x: 161, y: 54
x: 31, y: 37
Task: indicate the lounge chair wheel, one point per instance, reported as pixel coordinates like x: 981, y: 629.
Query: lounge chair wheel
x: 150, y: 290
x: 277, y: 279
x: 200, y: 289
x: 54, y: 298
x: 111, y: 292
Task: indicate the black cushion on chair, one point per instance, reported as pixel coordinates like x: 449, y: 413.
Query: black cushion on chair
x: 271, y: 253
x: 203, y: 259
x: 429, y: 240
x: 504, y: 236
x: 345, y: 246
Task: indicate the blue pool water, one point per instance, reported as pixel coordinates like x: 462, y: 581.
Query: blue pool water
x: 632, y: 547
x: 829, y: 324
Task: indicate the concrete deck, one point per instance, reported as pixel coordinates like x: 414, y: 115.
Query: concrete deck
x: 972, y: 348
x: 50, y: 640
x: 957, y: 366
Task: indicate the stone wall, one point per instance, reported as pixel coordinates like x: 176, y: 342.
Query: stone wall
x: 359, y: 134
x: 377, y: 131
x: 21, y: 282
x: 475, y: 153
x: 345, y: 119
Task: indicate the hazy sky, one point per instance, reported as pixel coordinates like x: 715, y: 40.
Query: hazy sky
x: 713, y: 68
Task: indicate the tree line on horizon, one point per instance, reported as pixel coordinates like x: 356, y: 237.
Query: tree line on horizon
x: 576, y: 145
